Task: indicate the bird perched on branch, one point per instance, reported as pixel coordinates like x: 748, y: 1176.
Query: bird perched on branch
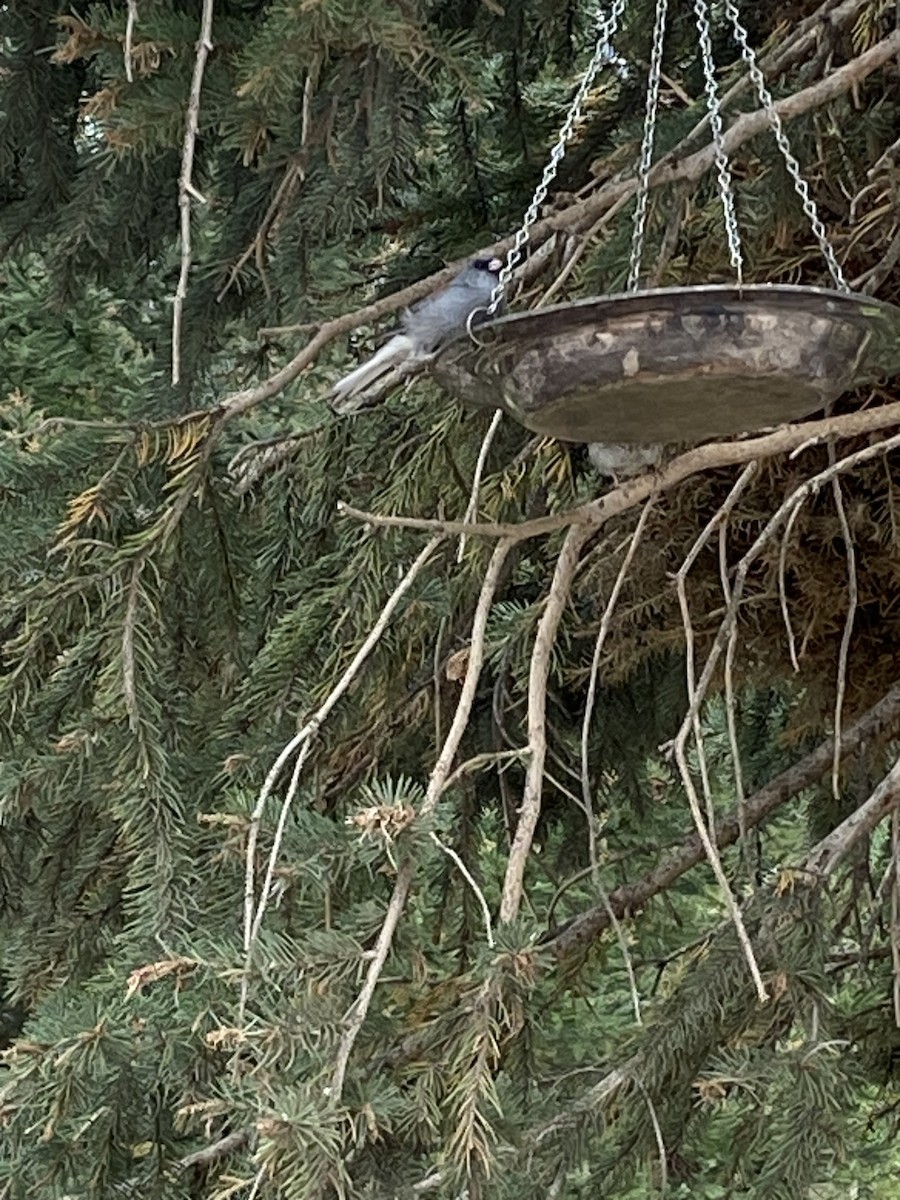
x: 423, y: 329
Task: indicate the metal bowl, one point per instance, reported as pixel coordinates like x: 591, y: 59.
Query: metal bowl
x: 674, y: 364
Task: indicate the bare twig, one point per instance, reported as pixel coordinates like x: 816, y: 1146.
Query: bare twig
x: 470, y: 880
x: 623, y: 949
x: 483, y: 760
x: 658, y: 1134
x: 870, y: 281
x: 852, y: 602
x: 292, y: 173
x: 712, y: 854
x: 895, y: 912
x: 472, y: 506
x: 605, y: 622
x: 128, y: 687
x: 186, y: 189
x: 584, y: 242
x: 130, y: 22
x: 782, y: 587
x: 718, y: 520
x: 825, y: 856
x: 439, y: 775
x: 301, y: 741
x: 236, y: 1140
x: 730, y: 697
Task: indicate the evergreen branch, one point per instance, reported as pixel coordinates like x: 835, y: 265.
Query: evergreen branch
x: 629, y: 898
x: 711, y: 456
x: 186, y: 189
x: 436, y: 786
x: 530, y: 810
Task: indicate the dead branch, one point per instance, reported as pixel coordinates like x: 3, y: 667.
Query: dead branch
x: 635, y: 491
x: 587, y: 798
x: 186, y: 189
x: 356, y: 1015
x: 706, y: 828
x: 852, y: 604
x: 566, y: 565
x: 824, y: 857
x: 130, y: 23
x: 128, y: 688
x: 472, y: 506
x: 796, y: 498
x: 226, y: 1145
x: 631, y: 897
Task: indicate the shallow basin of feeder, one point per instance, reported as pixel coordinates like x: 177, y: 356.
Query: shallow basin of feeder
x: 674, y: 364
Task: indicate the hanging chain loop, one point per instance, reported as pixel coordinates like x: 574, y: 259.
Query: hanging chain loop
x: 801, y: 187
x: 723, y: 168
x: 649, y: 136
x: 604, y: 54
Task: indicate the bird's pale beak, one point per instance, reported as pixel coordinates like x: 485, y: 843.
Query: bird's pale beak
x: 495, y: 266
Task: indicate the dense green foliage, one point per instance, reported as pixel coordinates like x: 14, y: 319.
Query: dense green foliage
x: 175, y: 605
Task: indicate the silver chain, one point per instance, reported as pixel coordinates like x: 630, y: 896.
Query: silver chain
x: 723, y: 168
x: 801, y: 187
x: 604, y: 54
x: 649, y: 136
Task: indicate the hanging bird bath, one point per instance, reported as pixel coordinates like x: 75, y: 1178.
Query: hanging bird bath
x: 675, y: 364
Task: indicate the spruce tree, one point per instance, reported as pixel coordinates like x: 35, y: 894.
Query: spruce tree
x: 316, y: 878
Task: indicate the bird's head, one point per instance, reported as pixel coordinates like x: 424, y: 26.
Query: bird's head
x: 492, y: 265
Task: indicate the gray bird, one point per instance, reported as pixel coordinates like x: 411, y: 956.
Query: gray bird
x: 424, y: 328
x: 617, y: 461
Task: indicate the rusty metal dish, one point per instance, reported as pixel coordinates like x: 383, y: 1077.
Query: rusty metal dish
x: 675, y: 364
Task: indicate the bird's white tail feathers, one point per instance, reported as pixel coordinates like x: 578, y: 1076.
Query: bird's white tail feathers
x: 398, y: 349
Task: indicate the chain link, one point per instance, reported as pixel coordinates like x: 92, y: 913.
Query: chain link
x: 723, y: 168
x: 604, y: 55
x: 649, y: 136
x: 801, y: 187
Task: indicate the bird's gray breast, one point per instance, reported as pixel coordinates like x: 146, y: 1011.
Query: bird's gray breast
x: 442, y: 316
